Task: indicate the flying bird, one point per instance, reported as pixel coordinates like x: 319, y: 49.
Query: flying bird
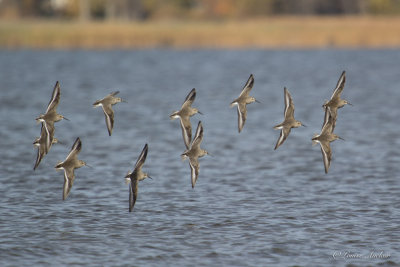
x: 336, y: 102
x: 242, y: 101
x: 106, y: 103
x: 289, y: 121
x: 325, y: 138
x: 69, y: 165
x: 184, y: 115
x: 41, y: 144
x: 195, y: 152
x: 133, y: 178
x: 51, y: 116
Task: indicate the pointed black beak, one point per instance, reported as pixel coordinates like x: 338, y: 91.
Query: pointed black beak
x: 257, y: 101
x: 200, y: 112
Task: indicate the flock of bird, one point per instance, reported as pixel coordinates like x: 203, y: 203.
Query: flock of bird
x: 193, y: 151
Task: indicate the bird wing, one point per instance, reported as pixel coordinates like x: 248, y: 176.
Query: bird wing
x: 48, y: 133
x: 109, y: 115
x: 76, y: 148
x: 330, y: 118
x: 40, y: 154
x: 45, y: 141
x: 140, y: 161
x: 248, y: 86
x: 55, y: 99
x: 339, y: 86
x: 326, y: 154
x: 329, y: 124
x: 69, y: 177
x: 133, y: 190
x: 333, y: 112
x: 289, y: 106
x: 198, y: 137
x: 242, y: 114
x: 189, y: 98
x: 186, y: 130
x: 113, y: 93
x: 194, y: 167
x: 285, y: 131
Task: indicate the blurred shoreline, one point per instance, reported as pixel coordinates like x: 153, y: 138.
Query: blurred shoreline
x: 276, y: 32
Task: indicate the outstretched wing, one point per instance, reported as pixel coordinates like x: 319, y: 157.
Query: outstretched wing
x: 55, y: 98
x: 48, y: 133
x: 289, y: 106
x: 76, y: 148
x: 199, y: 135
x: 40, y: 154
x: 69, y: 177
x: 113, y: 93
x: 339, y: 86
x: 285, y: 131
x: 194, y: 168
x: 189, y: 98
x: 142, y: 158
x: 186, y: 130
x: 326, y: 154
x: 329, y: 123
x: 109, y: 115
x: 242, y: 114
x: 133, y: 190
x: 329, y: 118
x: 248, y: 86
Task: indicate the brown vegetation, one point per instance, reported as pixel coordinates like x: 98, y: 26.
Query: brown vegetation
x: 273, y: 32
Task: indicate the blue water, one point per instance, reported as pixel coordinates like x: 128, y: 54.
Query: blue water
x: 252, y: 206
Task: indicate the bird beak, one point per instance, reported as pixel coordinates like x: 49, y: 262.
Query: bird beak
x: 65, y: 118
x: 257, y: 101
x: 341, y: 138
x: 149, y: 177
x: 200, y: 112
x: 302, y: 124
x: 89, y: 166
x: 349, y: 104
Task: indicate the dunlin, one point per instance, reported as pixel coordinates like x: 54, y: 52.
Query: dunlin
x: 289, y: 121
x: 195, y: 152
x: 41, y: 144
x: 336, y: 102
x: 51, y: 116
x: 325, y: 138
x: 106, y: 103
x: 184, y: 115
x: 133, y: 178
x: 242, y: 101
x: 69, y: 165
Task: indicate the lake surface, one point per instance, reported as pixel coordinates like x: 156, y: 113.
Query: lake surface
x: 251, y: 206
